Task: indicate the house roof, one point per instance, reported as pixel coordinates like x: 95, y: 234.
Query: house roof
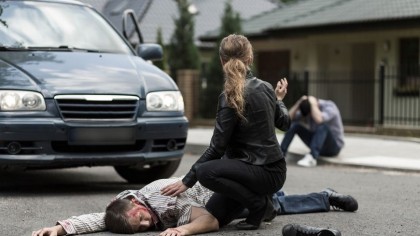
x: 161, y: 13
x: 322, y: 13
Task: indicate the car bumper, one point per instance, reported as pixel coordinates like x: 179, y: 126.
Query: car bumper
x: 46, y: 142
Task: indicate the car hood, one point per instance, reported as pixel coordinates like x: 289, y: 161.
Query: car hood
x: 53, y: 73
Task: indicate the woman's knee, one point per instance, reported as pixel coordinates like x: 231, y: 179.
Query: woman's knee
x: 205, y: 174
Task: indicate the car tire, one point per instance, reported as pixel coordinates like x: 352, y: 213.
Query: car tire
x: 138, y: 175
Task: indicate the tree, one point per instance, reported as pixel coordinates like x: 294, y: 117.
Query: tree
x: 183, y: 53
x: 159, y: 39
x: 231, y: 24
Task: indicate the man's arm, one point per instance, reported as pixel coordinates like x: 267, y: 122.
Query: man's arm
x: 295, y: 107
x: 201, y: 222
x: 87, y: 223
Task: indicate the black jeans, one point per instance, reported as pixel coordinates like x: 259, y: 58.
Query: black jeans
x: 239, y: 185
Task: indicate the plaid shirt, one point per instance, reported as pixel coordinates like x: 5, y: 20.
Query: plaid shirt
x: 170, y: 211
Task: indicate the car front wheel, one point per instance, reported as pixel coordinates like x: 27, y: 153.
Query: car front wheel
x: 144, y: 174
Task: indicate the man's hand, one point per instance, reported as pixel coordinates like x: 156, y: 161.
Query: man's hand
x: 50, y: 231
x: 304, y: 97
x: 316, y: 113
x: 281, y: 89
x: 313, y: 101
x: 295, y: 107
x: 174, y: 189
x: 173, y: 232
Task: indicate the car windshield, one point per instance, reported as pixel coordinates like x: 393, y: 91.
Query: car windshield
x: 46, y: 25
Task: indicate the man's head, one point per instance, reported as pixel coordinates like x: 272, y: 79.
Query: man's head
x: 126, y: 216
x: 305, y: 107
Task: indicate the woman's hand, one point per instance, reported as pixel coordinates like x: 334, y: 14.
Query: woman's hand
x: 281, y: 89
x: 174, y: 189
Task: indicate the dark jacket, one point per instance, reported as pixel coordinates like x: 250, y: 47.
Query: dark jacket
x: 253, y: 141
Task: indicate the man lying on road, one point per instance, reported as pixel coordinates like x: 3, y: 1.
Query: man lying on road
x: 134, y: 211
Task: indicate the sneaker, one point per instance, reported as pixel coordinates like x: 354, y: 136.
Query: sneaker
x: 304, y: 230
x: 340, y: 201
x: 307, y: 161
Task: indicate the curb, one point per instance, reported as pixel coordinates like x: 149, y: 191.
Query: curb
x: 292, y: 158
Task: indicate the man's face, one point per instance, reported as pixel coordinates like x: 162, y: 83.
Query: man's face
x: 139, y: 217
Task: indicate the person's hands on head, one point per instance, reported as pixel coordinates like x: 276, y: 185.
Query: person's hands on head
x: 173, y: 232
x: 304, y: 97
x: 281, y: 89
x: 174, y: 189
x: 312, y: 100
x: 50, y: 231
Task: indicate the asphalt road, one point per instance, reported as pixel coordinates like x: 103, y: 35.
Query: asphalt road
x: 389, y: 202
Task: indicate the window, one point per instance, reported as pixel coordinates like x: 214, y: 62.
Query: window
x: 409, y: 81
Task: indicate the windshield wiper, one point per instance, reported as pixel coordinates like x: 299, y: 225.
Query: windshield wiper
x: 64, y: 48
x: 60, y: 48
x: 4, y: 48
x: 85, y: 49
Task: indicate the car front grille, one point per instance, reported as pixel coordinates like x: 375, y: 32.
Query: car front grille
x: 97, y: 107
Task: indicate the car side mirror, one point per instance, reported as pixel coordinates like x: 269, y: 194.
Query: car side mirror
x: 150, y: 51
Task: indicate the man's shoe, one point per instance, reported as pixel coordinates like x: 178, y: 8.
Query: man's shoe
x: 340, y: 201
x: 307, y: 161
x: 243, y: 225
x: 304, y: 230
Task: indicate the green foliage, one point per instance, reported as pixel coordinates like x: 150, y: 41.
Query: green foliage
x: 159, y: 40
x: 231, y: 24
x: 183, y: 53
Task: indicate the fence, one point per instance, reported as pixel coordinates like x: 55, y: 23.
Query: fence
x: 364, y: 99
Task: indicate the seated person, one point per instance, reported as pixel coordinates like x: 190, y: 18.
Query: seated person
x: 318, y: 123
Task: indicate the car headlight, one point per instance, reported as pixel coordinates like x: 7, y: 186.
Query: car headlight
x: 14, y: 100
x: 165, y: 101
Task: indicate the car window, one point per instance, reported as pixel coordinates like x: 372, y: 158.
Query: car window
x: 43, y: 25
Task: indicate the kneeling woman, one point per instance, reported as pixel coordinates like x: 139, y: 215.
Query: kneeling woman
x: 244, y: 165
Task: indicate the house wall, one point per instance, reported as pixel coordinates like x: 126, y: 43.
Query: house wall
x: 341, y: 56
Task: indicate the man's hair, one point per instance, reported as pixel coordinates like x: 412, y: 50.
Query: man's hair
x: 305, y: 107
x: 116, y: 218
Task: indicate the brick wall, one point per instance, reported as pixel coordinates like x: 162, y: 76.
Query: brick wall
x: 188, y: 83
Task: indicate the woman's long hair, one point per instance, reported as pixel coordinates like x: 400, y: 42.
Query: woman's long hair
x: 236, y: 55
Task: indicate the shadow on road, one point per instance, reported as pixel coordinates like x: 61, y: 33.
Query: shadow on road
x: 97, y: 180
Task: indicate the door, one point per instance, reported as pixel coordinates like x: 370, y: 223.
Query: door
x: 363, y: 84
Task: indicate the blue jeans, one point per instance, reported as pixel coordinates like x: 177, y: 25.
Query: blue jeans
x: 296, y: 204
x: 320, y: 141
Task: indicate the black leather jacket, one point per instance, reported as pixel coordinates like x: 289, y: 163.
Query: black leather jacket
x: 255, y: 140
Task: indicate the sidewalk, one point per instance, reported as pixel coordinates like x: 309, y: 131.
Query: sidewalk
x: 384, y: 152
